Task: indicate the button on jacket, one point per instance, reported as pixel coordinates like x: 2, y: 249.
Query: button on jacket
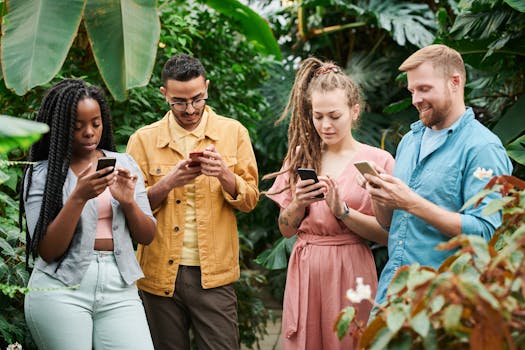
x: 156, y: 153
x: 445, y: 177
x: 71, y: 268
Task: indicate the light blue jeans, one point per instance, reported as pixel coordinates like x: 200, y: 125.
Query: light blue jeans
x: 102, y: 313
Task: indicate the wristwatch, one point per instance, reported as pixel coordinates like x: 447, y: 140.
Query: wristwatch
x: 345, y: 212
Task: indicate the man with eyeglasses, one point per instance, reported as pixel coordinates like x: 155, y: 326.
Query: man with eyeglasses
x: 191, y: 264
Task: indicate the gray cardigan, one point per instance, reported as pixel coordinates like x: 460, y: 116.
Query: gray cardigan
x: 71, y: 268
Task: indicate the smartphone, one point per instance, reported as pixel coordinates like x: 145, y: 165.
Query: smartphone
x: 104, y: 162
x: 366, y: 168
x: 307, y: 174
x: 195, y: 158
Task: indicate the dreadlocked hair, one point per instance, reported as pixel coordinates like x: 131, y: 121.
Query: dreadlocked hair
x: 304, y: 143
x: 59, y: 111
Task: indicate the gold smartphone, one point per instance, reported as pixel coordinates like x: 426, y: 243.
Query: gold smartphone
x: 366, y: 168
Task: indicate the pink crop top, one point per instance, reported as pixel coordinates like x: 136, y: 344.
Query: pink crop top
x: 105, y: 215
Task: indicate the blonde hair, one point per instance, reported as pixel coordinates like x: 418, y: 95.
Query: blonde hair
x: 443, y: 58
x: 304, y: 144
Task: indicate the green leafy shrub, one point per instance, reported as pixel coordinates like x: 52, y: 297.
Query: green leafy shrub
x: 475, y: 300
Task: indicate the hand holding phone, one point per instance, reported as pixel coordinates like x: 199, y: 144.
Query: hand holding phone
x: 195, y: 158
x: 104, y: 162
x: 307, y: 174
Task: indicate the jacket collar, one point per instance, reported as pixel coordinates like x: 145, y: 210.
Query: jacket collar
x: 210, y: 130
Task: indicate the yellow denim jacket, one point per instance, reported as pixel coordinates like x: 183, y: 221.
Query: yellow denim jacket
x: 156, y: 153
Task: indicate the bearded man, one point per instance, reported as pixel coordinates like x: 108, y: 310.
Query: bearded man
x: 446, y: 158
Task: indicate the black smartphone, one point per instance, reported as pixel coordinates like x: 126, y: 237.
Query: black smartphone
x: 307, y: 174
x: 104, y: 162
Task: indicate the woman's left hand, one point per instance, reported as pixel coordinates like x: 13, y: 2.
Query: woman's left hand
x: 123, y: 189
x: 332, y: 197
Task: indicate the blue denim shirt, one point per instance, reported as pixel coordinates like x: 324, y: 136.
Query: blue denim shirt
x: 75, y: 262
x: 444, y: 177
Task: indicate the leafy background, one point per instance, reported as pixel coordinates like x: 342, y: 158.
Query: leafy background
x: 250, y: 82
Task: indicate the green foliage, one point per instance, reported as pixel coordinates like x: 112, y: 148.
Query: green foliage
x: 254, y: 27
x: 474, y: 300
x: 13, y: 273
x: 39, y: 33
x: 17, y: 132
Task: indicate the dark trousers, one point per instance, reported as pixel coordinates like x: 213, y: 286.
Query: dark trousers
x: 211, y: 313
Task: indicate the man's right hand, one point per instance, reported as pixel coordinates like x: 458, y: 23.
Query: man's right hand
x: 182, y: 174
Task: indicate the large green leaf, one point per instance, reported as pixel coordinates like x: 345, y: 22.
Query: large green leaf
x: 37, y: 37
x: 511, y: 123
x: 518, y: 5
x: 19, y: 133
x: 277, y: 257
x: 254, y: 27
x: 516, y: 150
x: 123, y: 35
x: 405, y: 21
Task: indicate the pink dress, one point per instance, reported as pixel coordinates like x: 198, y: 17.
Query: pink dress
x: 325, y: 261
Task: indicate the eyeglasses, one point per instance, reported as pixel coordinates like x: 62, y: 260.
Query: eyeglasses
x: 180, y: 106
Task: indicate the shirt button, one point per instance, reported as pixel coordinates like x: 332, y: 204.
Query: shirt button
x: 176, y: 229
x: 115, y: 227
x: 167, y: 292
x: 158, y: 170
x: 177, y: 201
x: 400, y: 242
x: 170, y: 261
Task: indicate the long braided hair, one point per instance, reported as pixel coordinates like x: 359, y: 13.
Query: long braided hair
x: 304, y: 143
x: 59, y: 111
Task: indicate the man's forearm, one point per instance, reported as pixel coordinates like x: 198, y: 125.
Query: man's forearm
x: 447, y: 222
x: 158, y: 192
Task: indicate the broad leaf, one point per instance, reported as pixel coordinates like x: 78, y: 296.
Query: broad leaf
x: 405, y: 21
x: 518, y: 5
x: 395, y: 318
x: 254, y: 27
x: 399, y: 281
x: 511, y: 123
x: 343, y: 323
x: 420, y: 323
x: 37, y: 37
x: 419, y: 277
x: 480, y: 248
x: 277, y: 257
x: 495, y: 205
x: 451, y: 316
x: 17, y: 132
x: 476, y: 198
x: 516, y: 150
x: 437, y: 304
x: 123, y: 35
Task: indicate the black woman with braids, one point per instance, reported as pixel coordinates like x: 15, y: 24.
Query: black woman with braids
x: 331, y: 249
x: 81, y: 223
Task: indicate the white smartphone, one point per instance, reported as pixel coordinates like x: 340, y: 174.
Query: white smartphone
x: 366, y: 168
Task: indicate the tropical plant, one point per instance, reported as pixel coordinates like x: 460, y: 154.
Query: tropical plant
x: 15, y: 133
x: 476, y: 299
x: 38, y: 34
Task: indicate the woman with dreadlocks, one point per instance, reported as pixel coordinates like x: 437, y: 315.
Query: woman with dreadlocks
x: 80, y: 224
x: 331, y: 249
